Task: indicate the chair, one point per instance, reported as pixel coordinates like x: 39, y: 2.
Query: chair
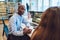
x: 5, y: 29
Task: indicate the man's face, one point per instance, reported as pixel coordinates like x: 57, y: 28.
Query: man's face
x: 21, y: 10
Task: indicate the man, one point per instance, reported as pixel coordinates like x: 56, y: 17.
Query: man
x: 18, y: 26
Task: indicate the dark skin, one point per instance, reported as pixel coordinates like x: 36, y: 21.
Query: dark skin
x: 21, y: 9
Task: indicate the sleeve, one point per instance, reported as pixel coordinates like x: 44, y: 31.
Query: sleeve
x: 27, y: 23
x: 13, y: 26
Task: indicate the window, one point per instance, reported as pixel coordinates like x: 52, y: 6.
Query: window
x: 2, y: 0
x: 34, y: 5
x: 45, y: 5
x: 10, y: 0
x: 42, y: 5
x: 53, y: 3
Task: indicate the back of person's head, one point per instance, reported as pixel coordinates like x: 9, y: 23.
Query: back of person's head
x: 49, y: 27
x: 19, y: 3
x: 50, y: 21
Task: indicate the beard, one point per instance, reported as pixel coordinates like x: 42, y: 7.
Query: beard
x: 20, y: 13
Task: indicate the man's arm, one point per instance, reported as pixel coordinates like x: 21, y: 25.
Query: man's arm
x: 13, y: 27
x: 27, y: 23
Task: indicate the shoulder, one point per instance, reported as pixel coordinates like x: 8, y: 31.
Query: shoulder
x: 13, y: 17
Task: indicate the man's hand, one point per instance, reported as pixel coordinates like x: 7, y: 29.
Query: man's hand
x: 27, y: 31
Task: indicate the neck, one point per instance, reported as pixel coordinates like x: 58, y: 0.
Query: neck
x: 19, y: 13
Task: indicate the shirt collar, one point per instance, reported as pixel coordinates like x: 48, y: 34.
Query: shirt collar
x: 18, y: 15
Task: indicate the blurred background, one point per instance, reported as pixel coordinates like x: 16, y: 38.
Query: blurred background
x: 34, y: 7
